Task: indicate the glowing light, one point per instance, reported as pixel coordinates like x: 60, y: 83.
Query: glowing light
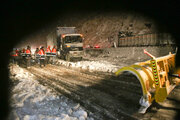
x: 96, y: 46
x: 63, y: 36
x: 81, y: 35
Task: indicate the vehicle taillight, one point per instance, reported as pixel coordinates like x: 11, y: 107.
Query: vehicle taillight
x: 63, y: 36
x: 68, y: 46
x: 81, y: 35
x: 96, y: 46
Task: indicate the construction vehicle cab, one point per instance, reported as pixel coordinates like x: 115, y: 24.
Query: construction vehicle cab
x: 70, y: 46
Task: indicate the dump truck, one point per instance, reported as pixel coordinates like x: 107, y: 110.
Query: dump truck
x: 69, y: 43
x: 158, y: 77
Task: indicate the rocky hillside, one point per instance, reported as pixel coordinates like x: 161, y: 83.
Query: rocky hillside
x: 103, y: 28
x: 100, y: 28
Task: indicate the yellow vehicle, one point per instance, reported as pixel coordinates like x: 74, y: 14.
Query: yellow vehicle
x: 157, y: 77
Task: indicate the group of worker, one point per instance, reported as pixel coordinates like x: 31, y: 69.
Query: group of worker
x: 41, y: 55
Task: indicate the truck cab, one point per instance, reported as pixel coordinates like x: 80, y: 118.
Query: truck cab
x: 69, y: 43
x: 70, y: 46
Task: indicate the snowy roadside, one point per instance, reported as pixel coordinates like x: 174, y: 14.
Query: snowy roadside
x: 32, y: 101
x: 109, y: 63
x: 100, y: 66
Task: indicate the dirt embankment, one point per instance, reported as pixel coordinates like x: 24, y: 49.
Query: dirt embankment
x: 126, y: 55
x: 103, y: 28
x: 100, y: 28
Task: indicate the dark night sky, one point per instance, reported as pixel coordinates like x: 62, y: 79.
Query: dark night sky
x: 21, y: 17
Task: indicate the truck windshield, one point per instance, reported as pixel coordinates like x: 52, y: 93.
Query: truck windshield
x: 72, y: 39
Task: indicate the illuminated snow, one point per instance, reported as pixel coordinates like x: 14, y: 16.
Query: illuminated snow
x: 103, y: 66
x: 32, y: 101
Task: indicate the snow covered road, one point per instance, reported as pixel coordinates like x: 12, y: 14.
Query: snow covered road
x: 76, y: 91
x: 33, y: 101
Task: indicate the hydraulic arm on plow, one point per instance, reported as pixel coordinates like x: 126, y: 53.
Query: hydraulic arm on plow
x: 156, y: 76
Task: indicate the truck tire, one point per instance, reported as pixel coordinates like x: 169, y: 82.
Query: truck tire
x: 59, y: 55
x: 62, y: 57
x: 67, y: 57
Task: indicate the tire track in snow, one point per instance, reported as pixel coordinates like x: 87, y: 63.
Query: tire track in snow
x: 72, y: 88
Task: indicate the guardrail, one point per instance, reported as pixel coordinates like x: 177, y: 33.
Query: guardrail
x: 159, y: 39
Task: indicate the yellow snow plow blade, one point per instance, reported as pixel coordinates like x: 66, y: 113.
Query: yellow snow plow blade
x: 143, y: 75
x: 155, y: 76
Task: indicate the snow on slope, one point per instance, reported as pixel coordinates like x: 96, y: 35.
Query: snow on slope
x: 32, y: 101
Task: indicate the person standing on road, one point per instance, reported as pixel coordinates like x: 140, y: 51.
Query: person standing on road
x: 37, y: 55
x: 53, y: 54
x: 42, y: 56
x: 15, y: 55
x: 28, y: 56
x: 23, y: 50
x: 22, y: 56
x: 48, y: 53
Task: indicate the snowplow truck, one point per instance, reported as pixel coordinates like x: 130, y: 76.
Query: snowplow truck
x: 158, y: 77
x: 69, y: 43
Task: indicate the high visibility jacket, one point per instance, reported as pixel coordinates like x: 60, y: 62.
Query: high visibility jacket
x: 23, y: 50
x: 28, y: 51
x: 48, y: 50
x: 54, y: 50
x: 15, y: 53
x: 41, y: 52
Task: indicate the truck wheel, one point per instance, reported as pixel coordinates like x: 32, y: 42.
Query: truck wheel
x: 80, y: 59
x: 68, y: 58
x: 62, y: 57
x: 59, y: 55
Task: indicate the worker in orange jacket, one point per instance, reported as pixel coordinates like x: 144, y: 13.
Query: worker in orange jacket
x: 28, y: 56
x: 23, y: 53
x: 28, y: 51
x: 36, y: 55
x: 15, y: 55
x: 23, y: 50
x: 53, y: 53
x: 48, y: 53
x: 54, y: 50
x: 42, y: 56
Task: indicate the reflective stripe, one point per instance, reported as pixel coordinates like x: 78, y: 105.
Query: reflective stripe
x: 41, y: 52
x: 53, y: 50
x: 28, y: 51
x: 48, y: 50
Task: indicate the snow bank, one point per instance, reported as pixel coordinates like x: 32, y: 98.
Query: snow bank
x: 103, y: 66
x: 32, y: 101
